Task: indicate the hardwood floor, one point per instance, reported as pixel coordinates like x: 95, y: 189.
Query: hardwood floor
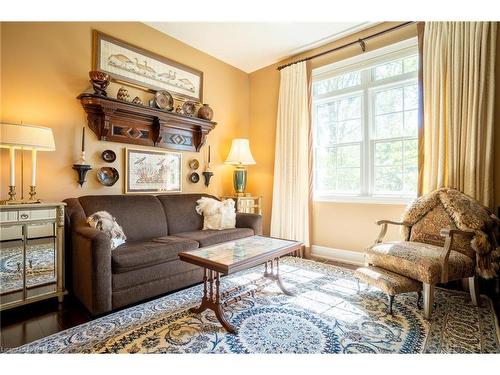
x: 28, y: 323
x: 25, y: 324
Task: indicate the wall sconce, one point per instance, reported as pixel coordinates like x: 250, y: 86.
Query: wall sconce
x: 81, y: 167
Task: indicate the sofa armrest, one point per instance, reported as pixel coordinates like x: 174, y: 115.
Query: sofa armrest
x: 252, y: 221
x: 92, y: 269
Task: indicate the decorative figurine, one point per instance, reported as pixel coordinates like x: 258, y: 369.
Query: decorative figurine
x: 123, y: 94
x: 99, y: 81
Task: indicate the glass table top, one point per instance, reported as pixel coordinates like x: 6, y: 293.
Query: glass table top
x: 232, y: 252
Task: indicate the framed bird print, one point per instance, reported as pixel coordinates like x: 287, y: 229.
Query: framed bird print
x: 152, y: 171
x: 139, y: 67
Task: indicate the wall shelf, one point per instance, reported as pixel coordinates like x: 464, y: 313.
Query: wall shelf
x: 115, y: 120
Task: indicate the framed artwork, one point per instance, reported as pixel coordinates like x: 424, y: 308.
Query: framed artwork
x: 152, y: 171
x: 134, y: 65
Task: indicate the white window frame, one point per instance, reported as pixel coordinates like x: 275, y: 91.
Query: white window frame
x: 368, y: 86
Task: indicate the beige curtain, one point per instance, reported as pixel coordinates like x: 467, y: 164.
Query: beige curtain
x: 458, y: 89
x: 290, y: 213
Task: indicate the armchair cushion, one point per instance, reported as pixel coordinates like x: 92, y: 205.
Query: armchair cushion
x: 419, y: 261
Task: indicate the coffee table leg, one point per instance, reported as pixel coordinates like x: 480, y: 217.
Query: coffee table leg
x: 276, y: 277
x: 204, y: 301
x: 211, y: 299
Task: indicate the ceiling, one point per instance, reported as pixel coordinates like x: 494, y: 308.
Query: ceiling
x: 253, y: 45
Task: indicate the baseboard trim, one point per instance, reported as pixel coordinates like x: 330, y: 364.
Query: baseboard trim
x: 338, y: 255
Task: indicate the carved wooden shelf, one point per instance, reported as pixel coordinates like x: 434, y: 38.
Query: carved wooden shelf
x: 118, y: 121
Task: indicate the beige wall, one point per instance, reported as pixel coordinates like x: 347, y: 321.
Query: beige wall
x: 337, y: 225
x: 45, y: 67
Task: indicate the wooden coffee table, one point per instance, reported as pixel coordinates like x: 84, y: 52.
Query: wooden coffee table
x: 233, y: 256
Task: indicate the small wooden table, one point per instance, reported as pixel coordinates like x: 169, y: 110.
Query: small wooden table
x: 233, y: 256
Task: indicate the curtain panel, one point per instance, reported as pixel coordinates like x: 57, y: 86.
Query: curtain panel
x: 458, y: 100
x: 291, y: 188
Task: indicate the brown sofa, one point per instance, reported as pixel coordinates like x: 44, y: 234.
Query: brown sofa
x: 147, y: 265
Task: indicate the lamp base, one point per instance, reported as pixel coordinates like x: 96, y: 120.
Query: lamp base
x: 240, y: 180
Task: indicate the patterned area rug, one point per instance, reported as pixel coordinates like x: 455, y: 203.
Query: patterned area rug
x: 39, y: 266
x: 328, y: 314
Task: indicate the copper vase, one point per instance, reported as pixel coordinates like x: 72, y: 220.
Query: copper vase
x: 205, y: 112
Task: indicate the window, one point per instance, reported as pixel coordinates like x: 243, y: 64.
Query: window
x: 365, y: 125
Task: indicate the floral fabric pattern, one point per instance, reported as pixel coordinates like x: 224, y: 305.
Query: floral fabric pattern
x: 389, y: 282
x: 419, y: 261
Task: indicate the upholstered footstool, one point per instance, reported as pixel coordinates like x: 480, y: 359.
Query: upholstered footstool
x: 389, y: 282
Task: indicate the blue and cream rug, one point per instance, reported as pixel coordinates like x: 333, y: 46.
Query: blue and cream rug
x: 328, y: 315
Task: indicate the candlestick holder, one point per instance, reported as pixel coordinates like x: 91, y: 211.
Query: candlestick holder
x: 12, y: 193
x: 32, y: 193
x: 208, y: 174
x: 81, y: 167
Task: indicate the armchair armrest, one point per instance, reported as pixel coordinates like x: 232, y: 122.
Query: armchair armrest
x: 252, y: 221
x: 448, y: 234
x: 383, y: 229
x: 380, y: 222
x: 92, y: 268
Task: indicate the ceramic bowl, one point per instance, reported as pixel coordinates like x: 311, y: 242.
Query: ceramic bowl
x: 107, y: 176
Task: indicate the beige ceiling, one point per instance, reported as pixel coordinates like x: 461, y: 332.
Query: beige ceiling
x: 250, y: 46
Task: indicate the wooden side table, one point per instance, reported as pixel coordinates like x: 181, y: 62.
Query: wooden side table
x: 246, y: 203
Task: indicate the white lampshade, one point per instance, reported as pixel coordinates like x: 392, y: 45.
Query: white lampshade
x: 240, y: 153
x: 29, y: 137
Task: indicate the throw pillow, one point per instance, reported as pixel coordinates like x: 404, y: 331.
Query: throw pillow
x: 216, y: 214
x: 103, y: 221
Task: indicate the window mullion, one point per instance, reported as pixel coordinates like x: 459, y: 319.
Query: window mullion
x: 366, y: 105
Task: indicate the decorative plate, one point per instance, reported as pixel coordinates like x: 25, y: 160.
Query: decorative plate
x: 108, y: 156
x: 194, y: 164
x: 164, y: 100
x: 189, y: 108
x: 107, y: 176
x: 194, y: 177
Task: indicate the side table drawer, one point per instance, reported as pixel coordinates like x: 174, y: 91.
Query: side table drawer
x: 8, y: 216
x: 37, y: 214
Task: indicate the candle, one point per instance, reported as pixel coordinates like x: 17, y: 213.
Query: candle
x: 83, y: 139
x: 33, y: 167
x: 12, y: 155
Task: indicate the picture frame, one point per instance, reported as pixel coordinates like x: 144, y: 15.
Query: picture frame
x: 136, y: 66
x: 152, y: 171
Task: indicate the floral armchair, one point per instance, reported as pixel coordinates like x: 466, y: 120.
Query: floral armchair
x: 447, y: 236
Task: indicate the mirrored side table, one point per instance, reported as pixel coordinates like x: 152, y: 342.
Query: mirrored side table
x: 246, y: 203
x: 31, y: 253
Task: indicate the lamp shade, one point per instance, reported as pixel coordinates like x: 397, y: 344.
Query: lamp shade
x: 27, y: 137
x: 240, y: 153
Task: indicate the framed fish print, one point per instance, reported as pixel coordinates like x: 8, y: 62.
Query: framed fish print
x: 139, y: 67
x: 152, y: 171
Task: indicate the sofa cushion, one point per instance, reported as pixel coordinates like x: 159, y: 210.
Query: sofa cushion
x: 211, y: 237
x: 419, y: 261
x: 135, y: 255
x: 141, y: 216
x: 180, y: 210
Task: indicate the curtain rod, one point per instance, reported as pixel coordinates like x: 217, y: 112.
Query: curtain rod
x: 361, y: 43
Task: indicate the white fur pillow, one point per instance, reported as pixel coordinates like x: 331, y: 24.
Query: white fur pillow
x: 103, y: 221
x: 216, y: 214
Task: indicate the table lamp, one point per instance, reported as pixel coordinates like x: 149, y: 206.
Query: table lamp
x: 24, y: 137
x: 240, y: 155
